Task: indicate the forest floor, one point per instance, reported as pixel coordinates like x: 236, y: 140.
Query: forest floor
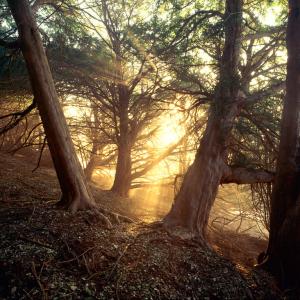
x: 47, y: 253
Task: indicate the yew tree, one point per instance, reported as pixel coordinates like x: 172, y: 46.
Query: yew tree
x: 193, y: 202
x: 125, y: 91
x: 75, y: 192
x: 231, y: 98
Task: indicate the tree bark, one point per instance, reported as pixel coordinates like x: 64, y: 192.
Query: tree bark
x: 283, y: 258
x: 90, y: 166
x: 75, y: 192
x: 122, y: 180
x: 193, y: 203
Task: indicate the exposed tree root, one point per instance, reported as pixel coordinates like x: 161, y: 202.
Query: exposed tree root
x: 93, y: 211
x: 185, y: 235
x: 177, y: 235
x: 116, y: 218
x: 94, y: 215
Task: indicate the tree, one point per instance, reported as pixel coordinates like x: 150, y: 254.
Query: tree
x: 226, y: 156
x: 75, y: 192
x: 283, y: 258
x: 193, y: 203
x: 126, y: 91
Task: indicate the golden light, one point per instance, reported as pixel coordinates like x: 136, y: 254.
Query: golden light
x: 71, y: 111
x: 171, y: 128
x: 169, y: 134
x: 151, y: 201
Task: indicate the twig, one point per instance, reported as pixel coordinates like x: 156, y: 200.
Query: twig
x: 35, y: 242
x: 118, y: 260
x: 33, y: 269
x: 16, y: 117
x: 40, y: 156
x: 28, y: 294
x: 75, y: 256
x: 86, y: 265
x: 30, y: 218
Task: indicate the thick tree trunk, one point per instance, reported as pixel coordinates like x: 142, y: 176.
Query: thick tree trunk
x: 193, y: 203
x: 122, y: 179
x: 75, y: 192
x: 283, y: 257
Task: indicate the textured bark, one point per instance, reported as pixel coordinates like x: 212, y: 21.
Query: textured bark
x: 75, y: 192
x: 122, y: 180
x: 284, y: 243
x: 193, y: 203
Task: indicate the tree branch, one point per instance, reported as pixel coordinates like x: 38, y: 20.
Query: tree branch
x: 16, y: 117
x: 10, y: 45
x: 148, y: 166
x: 240, y: 175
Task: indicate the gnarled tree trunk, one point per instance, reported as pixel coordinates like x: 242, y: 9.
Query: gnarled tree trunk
x: 283, y: 257
x: 193, y: 203
x: 75, y: 192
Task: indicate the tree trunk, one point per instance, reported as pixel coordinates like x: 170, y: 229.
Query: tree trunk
x: 193, y: 203
x: 122, y: 179
x: 283, y: 257
x: 75, y: 192
x: 90, y: 166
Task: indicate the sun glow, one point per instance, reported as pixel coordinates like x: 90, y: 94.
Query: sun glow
x: 171, y: 128
x: 154, y: 201
x: 169, y: 134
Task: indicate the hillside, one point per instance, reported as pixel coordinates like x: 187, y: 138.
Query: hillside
x: 47, y: 253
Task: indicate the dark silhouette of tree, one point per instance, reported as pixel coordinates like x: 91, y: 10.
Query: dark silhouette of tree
x: 284, y: 242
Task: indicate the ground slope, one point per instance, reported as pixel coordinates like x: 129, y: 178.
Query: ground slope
x: 46, y: 253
